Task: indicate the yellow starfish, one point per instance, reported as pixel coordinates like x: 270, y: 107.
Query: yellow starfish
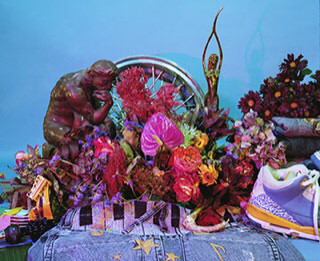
x: 171, y: 257
x: 145, y: 245
x: 117, y: 257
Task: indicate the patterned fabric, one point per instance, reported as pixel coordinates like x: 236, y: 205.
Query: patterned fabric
x: 266, y: 203
x: 120, y: 217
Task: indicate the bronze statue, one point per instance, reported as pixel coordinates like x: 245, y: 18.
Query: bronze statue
x: 212, y: 73
x: 78, y: 100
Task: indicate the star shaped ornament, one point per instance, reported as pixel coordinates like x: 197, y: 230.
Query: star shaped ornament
x: 117, y: 257
x: 145, y: 245
x: 171, y: 257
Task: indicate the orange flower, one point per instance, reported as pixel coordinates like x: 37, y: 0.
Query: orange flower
x: 201, y: 140
x: 208, y: 174
x: 186, y: 160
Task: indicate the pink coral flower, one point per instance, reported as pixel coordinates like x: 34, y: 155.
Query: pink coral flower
x: 103, y: 145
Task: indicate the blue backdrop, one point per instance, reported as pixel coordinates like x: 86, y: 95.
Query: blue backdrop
x: 42, y: 40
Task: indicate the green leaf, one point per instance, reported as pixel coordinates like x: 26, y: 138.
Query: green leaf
x: 306, y: 71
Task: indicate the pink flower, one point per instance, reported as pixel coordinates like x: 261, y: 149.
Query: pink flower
x: 159, y: 130
x: 270, y: 135
x: 186, y: 187
x: 237, y: 124
x: 245, y: 141
x: 21, y: 155
x: 103, y: 145
x: 186, y: 160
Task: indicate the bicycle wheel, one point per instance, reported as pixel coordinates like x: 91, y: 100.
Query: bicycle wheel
x: 159, y: 72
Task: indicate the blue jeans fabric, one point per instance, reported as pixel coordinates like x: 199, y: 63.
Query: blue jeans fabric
x: 64, y: 242
x: 296, y: 127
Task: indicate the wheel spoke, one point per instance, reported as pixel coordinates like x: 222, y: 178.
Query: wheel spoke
x: 179, y: 87
x: 174, y: 80
x: 184, y: 102
x: 155, y: 80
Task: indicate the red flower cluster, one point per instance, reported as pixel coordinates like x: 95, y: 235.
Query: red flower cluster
x: 286, y: 95
x: 186, y: 162
x: 137, y: 99
x: 165, y: 100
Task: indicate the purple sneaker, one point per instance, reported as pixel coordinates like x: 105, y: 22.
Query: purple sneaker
x: 286, y: 201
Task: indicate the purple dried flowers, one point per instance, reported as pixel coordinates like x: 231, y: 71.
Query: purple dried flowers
x: 254, y: 141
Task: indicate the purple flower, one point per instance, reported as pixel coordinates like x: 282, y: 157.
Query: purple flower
x: 130, y: 124
x: 54, y: 159
x: 83, y: 188
x: 116, y: 198
x: 39, y: 170
x: 144, y: 197
x: 97, y: 196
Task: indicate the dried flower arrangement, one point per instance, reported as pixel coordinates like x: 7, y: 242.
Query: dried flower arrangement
x: 286, y: 95
x: 160, y: 155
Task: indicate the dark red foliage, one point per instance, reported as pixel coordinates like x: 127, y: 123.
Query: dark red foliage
x: 115, y: 172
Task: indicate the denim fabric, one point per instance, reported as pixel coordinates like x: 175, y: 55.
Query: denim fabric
x: 68, y: 242
x: 296, y: 127
x: 301, y: 148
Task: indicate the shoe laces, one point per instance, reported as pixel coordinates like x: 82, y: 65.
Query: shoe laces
x: 313, y: 180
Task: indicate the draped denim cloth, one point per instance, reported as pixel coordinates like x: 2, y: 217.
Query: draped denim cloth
x: 301, y: 148
x: 296, y: 127
x: 74, y: 239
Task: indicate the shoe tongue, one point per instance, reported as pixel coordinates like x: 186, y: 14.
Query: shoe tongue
x: 292, y: 175
x: 281, y: 176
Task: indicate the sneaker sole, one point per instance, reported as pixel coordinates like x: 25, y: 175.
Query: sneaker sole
x: 274, y: 223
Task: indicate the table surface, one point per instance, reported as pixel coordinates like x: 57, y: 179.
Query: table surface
x: 309, y: 249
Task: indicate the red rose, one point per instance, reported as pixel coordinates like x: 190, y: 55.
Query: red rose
x: 186, y: 187
x: 186, y: 159
x: 208, y: 217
